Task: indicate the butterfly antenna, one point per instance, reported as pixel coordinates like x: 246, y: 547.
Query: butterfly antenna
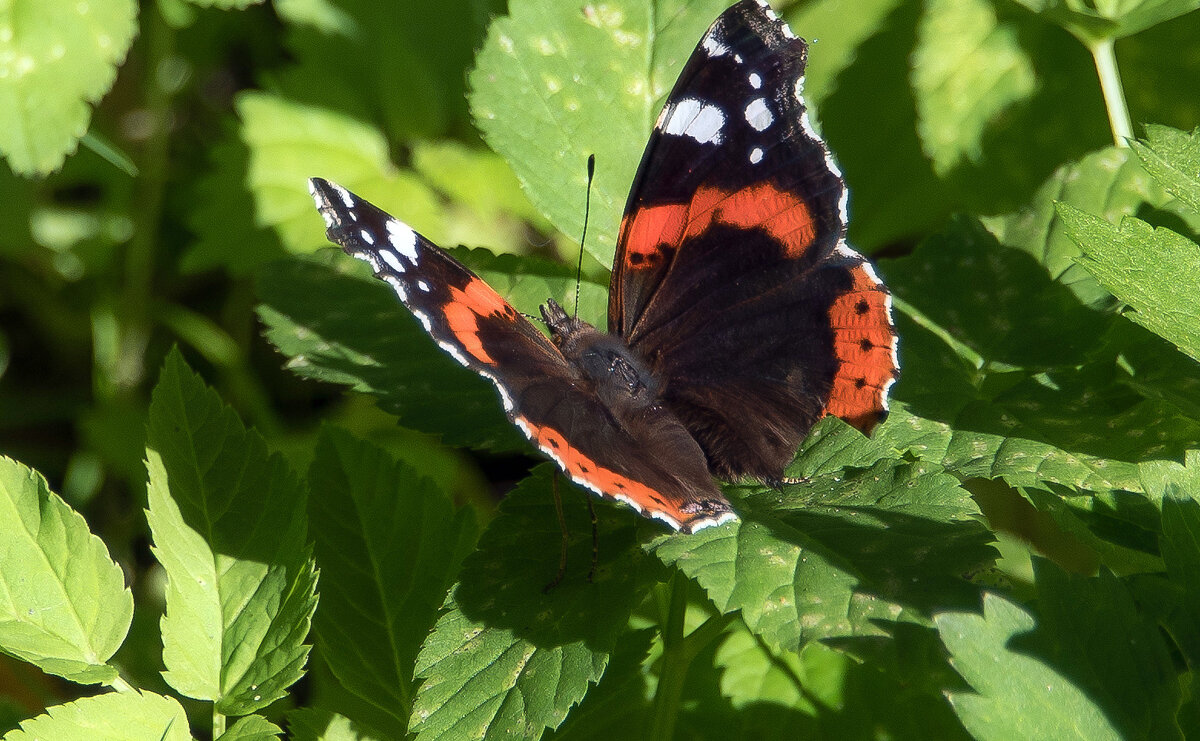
x: 587, y: 207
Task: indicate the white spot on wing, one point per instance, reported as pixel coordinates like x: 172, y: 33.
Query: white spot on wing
x: 399, y: 287
x: 366, y: 236
x: 691, y: 117
x: 713, y: 45
x: 403, y: 238
x: 756, y: 155
x: 423, y: 286
x: 343, y: 194
x: 392, y: 260
x: 755, y: 80
x: 758, y: 115
x: 714, y: 522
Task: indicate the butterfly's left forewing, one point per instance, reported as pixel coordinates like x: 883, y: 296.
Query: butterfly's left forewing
x: 542, y: 394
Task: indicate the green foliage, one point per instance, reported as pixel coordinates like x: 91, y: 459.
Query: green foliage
x: 65, y: 608
x: 224, y: 515
x: 1012, y: 554
x: 57, y: 57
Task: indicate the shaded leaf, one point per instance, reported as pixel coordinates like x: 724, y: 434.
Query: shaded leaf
x: 229, y: 529
x: 1109, y: 182
x: 1110, y: 651
x: 981, y: 649
x: 355, y: 331
x: 314, y: 724
x: 389, y: 544
x: 967, y: 69
x: 508, y: 659
x: 65, y: 607
x: 840, y: 555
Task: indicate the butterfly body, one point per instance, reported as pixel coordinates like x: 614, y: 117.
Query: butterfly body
x: 737, y: 314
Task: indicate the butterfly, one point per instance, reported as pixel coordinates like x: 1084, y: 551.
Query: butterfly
x: 737, y: 315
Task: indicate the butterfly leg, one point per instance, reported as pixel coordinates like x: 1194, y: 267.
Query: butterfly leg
x: 562, y: 526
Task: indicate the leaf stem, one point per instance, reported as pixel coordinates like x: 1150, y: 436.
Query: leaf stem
x: 1114, y: 94
x: 120, y: 685
x: 218, y: 722
x: 675, y: 660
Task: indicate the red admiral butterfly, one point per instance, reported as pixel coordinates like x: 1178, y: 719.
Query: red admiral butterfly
x: 737, y: 315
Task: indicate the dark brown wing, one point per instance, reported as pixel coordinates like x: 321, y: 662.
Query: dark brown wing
x: 732, y: 277
x: 542, y: 394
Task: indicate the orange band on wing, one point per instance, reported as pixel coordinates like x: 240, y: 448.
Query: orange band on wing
x: 584, y: 470
x: 646, y: 231
x: 864, y: 342
x: 467, y: 304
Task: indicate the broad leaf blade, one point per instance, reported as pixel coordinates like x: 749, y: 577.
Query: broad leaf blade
x: 389, y: 544
x: 313, y: 724
x: 1051, y: 707
x: 1111, y: 651
x: 555, y: 82
x: 1155, y: 271
x: 968, y: 68
x: 64, y: 606
x: 56, y: 58
x: 115, y: 716
x: 1172, y: 157
x: 841, y: 555
x: 507, y: 659
x: 251, y: 728
x: 259, y: 183
x: 229, y: 529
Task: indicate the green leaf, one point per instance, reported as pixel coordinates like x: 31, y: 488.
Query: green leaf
x: 314, y: 724
x: 261, y: 181
x: 355, y: 331
x: 553, y: 84
x: 507, y: 659
x: 967, y: 69
x: 228, y: 524
x: 488, y: 207
x: 840, y: 555
x: 56, y: 58
x: 389, y: 544
x: 1004, y: 679
x: 226, y: 5
x: 1172, y: 157
x: 1111, y: 651
x: 1179, y: 487
x: 619, y: 706
x: 251, y: 728
x: 114, y: 716
x: 64, y: 606
x: 1109, y: 182
x: 751, y: 673
x: 996, y: 300
x: 398, y: 65
x: 1110, y: 20
x: 835, y: 37
x: 1155, y: 271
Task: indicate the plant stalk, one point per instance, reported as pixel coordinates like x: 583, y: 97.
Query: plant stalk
x: 1114, y: 94
x: 675, y: 660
